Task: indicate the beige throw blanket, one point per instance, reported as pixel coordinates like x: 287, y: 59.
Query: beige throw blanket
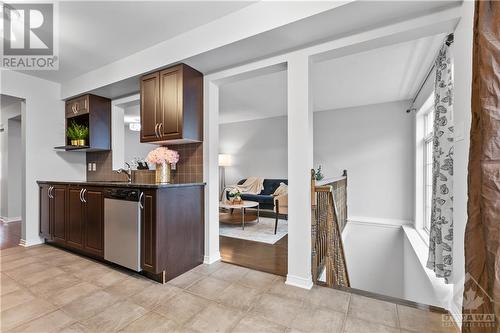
x: 253, y: 185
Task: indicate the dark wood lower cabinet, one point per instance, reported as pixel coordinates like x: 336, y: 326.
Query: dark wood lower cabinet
x: 58, y: 194
x: 45, y: 207
x: 171, y: 223
x: 172, y: 230
x: 74, y: 222
x: 93, y: 216
x: 148, y: 232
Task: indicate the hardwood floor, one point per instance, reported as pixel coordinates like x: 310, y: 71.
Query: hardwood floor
x: 270, y: 258
x: 255, y: 255
x: 10, y: 234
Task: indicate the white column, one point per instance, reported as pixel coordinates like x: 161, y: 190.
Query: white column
x: 211, y: 171
x: 300, y: 162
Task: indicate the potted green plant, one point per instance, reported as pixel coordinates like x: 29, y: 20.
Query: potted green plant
x: 318, y: 174
x: 77, y: 134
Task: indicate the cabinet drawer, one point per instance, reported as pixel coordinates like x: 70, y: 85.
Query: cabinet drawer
x: 77, y: 106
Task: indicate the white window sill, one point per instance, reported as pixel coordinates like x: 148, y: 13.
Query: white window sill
x: 419, y: 243
x: 424, y: 236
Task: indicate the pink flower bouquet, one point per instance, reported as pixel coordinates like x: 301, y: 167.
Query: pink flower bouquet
x: 162, y: 155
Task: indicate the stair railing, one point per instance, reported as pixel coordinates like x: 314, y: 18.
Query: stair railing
x: 329, y: 217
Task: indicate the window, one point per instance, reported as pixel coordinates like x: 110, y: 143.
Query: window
x: 427, y: 166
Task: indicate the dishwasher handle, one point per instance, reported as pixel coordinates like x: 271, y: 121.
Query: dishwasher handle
x: 141, y: 196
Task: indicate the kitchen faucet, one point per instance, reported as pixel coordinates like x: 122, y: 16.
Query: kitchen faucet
x: 128, y: 172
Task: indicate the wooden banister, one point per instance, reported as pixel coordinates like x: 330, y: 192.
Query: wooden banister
x: 329, y: 215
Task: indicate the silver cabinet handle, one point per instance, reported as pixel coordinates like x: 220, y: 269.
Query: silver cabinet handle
x: 159, y: 130
x: 141, y: 205
x: 49, y: 192
x: 81, y: 191
x: 83, y: 195
x: 156, y: 130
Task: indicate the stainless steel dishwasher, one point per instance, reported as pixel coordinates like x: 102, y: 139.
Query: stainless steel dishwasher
x: 122, y: 227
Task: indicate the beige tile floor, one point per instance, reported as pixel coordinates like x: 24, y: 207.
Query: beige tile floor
x: 44, y: 289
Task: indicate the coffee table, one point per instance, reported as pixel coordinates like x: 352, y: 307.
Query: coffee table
x: 243, y: 206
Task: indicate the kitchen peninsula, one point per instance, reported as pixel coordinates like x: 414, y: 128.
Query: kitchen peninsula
x: 169, y: 220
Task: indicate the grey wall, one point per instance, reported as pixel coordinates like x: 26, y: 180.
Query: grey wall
x: 374, y: 143
x: 14, y: 168
x: 258, y: 148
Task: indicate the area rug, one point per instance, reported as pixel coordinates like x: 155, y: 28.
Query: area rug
x: 262, y: 231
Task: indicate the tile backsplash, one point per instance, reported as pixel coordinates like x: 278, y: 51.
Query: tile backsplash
x: 188, y: 170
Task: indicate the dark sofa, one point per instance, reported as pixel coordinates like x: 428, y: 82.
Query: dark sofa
x: 264, y: 198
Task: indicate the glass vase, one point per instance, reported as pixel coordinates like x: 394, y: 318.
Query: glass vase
x: 163, y: 173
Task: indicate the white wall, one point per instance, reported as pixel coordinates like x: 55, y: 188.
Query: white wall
x: 374, y: 143
x: 462, y: 53
x: 133, y: 146
x: 258, y: 148
x: 42, y: 128
x: 374, y: 255
x: 14, y: 171
x: 6, y: 113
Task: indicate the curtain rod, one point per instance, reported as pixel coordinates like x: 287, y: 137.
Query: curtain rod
x: 449, y: 41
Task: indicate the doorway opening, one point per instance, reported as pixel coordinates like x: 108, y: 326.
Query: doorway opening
x: 11, y: 171
x: 253, y: 166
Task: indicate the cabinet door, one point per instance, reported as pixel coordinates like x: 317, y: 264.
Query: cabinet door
x: 44, y: 208
x: 148, y: 231
x: 58, y: 213
x: 94, y: 221
x: 74, y: 236
x: 150, y: 111
x: 171, y: 103
x: 77, y: 106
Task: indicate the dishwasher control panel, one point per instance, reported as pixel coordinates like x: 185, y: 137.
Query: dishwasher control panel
x: 123, y: 194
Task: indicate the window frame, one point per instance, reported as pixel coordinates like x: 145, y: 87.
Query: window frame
x: 427, y: 161
x: 423, y: 136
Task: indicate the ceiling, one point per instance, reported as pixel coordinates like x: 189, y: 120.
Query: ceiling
x: 351, y: 18
x: 95, y: 33
x: 386, y: 74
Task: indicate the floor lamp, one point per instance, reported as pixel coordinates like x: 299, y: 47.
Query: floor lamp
x: 224, y: 161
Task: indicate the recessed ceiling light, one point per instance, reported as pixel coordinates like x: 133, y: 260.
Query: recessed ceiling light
x: 136, y: 127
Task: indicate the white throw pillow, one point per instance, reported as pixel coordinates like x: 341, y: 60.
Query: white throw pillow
x: 281, y: 190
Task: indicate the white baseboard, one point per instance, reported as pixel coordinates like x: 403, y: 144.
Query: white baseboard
x: 211, y: 259
x: 304, y: 283
x: 380, y: 222
x: 10, y: 219
x: 32, y: 242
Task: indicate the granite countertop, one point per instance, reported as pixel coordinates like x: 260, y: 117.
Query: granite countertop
x: 117, y: 184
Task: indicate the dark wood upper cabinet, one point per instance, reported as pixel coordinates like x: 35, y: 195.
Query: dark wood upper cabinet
x: 172, y: 106
x: 95, y: 113
x: 150, y: 106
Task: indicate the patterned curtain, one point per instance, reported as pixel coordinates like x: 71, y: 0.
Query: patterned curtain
x: 441, y: 232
